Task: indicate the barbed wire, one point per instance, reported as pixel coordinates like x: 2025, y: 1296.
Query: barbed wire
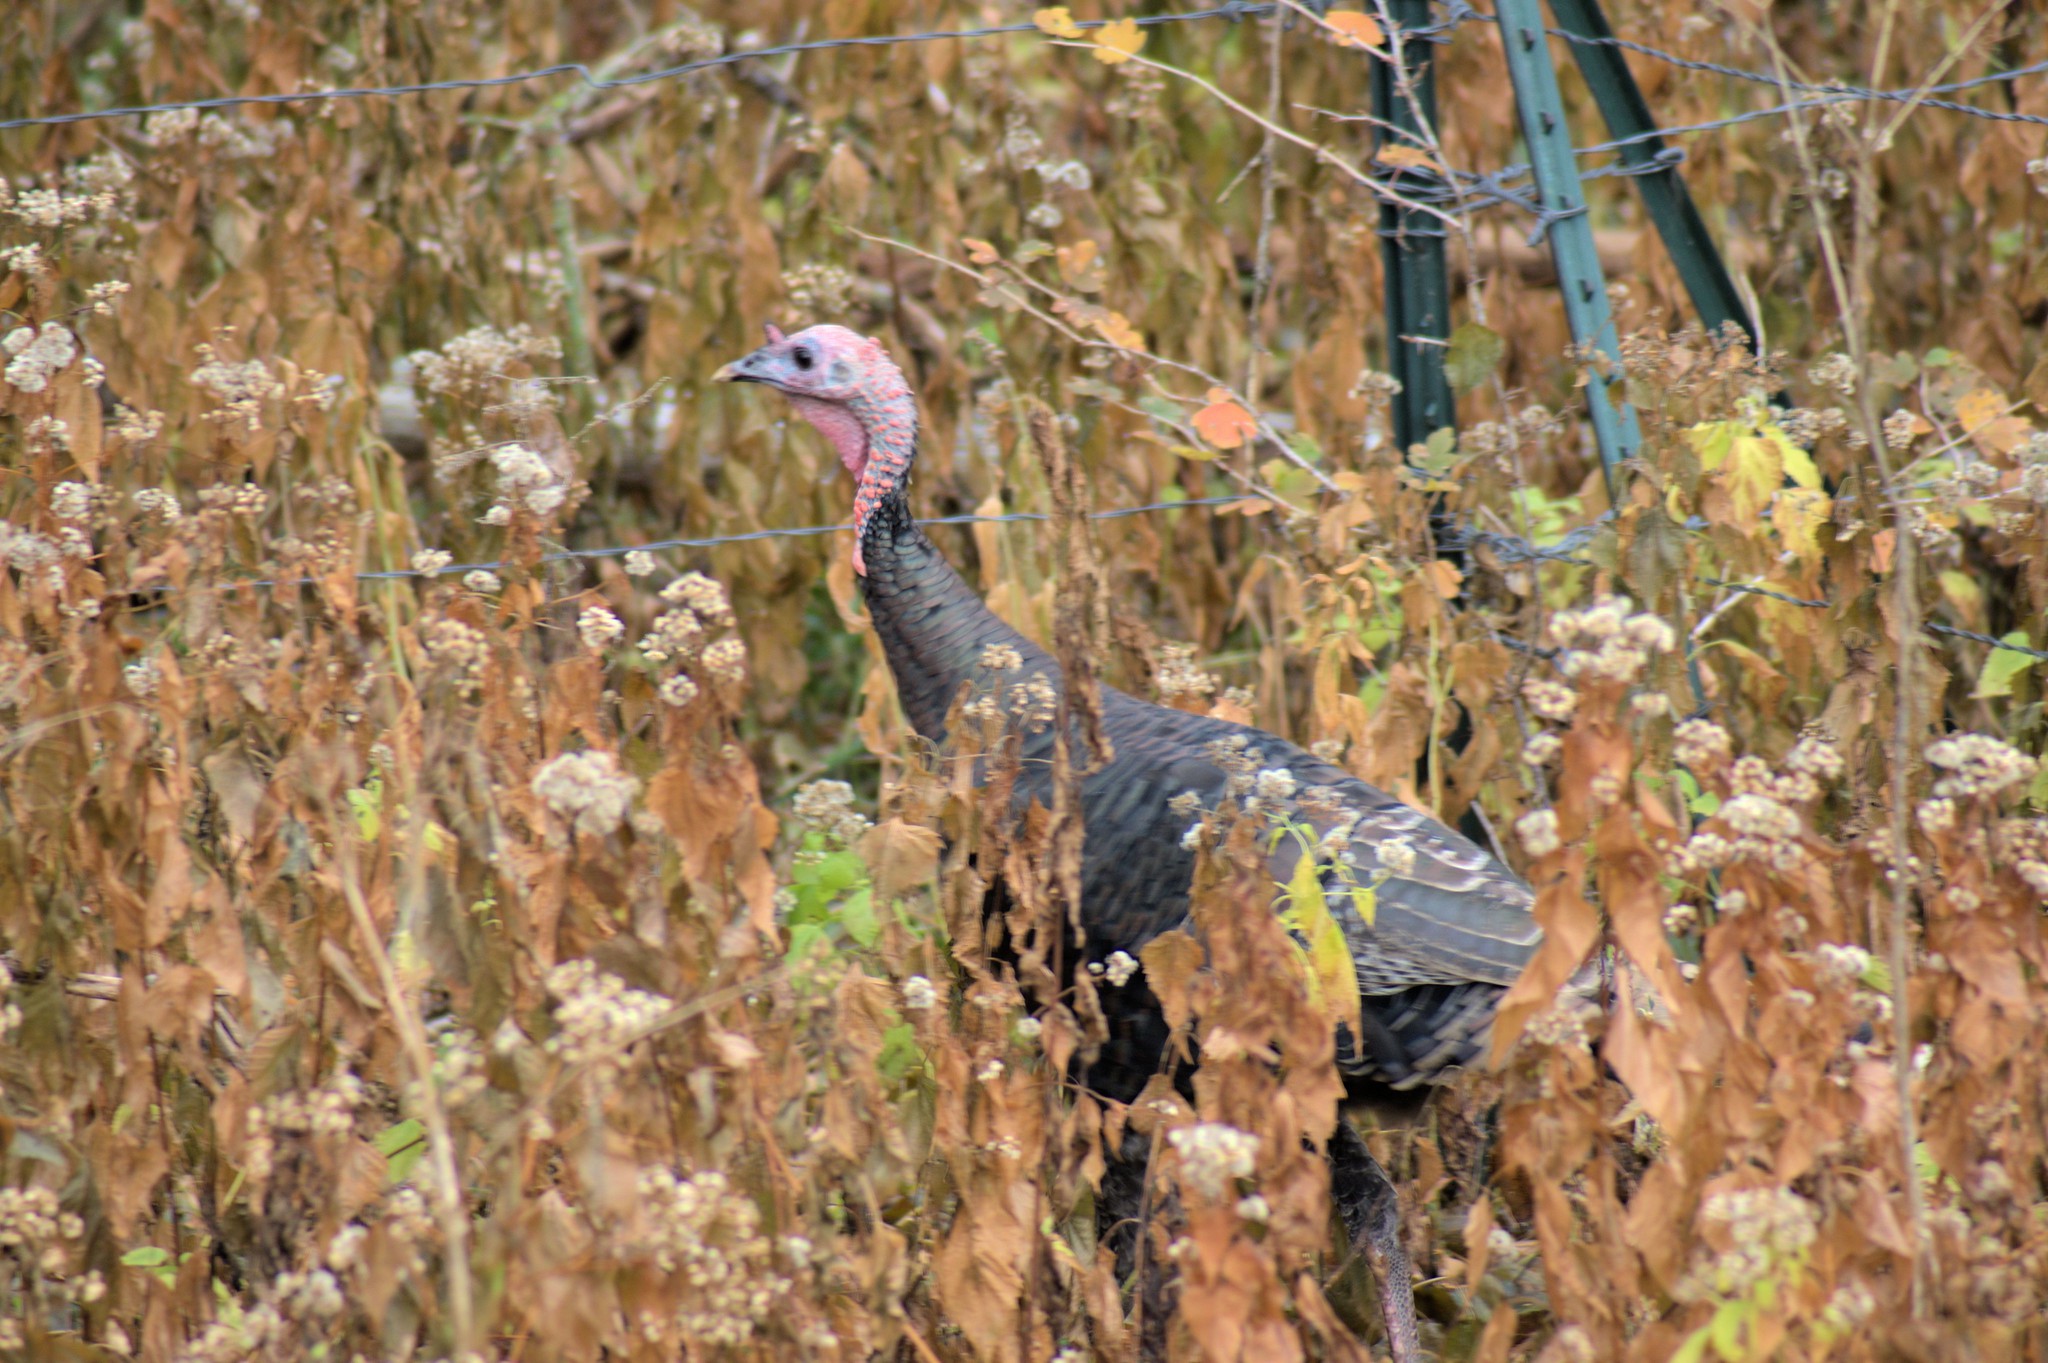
x: 1509, y: 549
x: 1513, y: 549
x: 1460, y: 13
x: 741, y: 537
x: 1989, y: 639
x: 1233, y: 9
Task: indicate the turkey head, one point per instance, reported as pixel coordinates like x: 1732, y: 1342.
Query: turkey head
x: 846, y: 385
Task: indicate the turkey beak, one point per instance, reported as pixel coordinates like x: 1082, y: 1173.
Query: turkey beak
x: 746, y: 370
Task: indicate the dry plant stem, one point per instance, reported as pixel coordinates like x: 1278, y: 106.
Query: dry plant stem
x: 766, y: 154
x: 1262, y: 268
x: 412, y: 1039
x: 576, y: 320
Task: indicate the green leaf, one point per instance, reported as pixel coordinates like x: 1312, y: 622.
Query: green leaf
x: 1694, y: 1348
x: 1701, y: 802
x: 1366, y: 900
x: 367, y: 803
x: 802, y: 937
x: 1924, y: 1165
x: 2002, y: 667
x: 1877, y: 975
x: 396, y: 1137
x: 899, y: 1052
x: 1474, y: 355
x: 401, y: 1144
x: 857, y: 916
x: 1725, y: 1329
x: 146, y: 1256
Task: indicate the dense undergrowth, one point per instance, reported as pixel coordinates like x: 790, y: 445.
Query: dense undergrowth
x: 482, y: 961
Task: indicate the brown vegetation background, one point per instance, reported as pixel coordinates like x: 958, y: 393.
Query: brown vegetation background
x: 445, y: 964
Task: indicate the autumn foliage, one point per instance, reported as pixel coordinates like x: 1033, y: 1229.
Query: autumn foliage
x: 422, y: 941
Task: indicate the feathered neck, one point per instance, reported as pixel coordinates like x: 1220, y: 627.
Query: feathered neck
x: 875, y: 432
x: 934, y: 628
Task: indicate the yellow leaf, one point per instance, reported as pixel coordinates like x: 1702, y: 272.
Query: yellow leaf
x: 1118, y: 42
x: 1412, y: 157
x: 1332, y: 975
x: 1798, y: 514
x: 1354, y: 29
x: 1799, y: 465
x: 1117, y: 330
x: 1367, y: 901
x: 1964, y: 593
x: 1755, y: 469
x: 979, y: 251
x: 1711, y: 439
x: 1223, y: 423
x: 1056, y: 23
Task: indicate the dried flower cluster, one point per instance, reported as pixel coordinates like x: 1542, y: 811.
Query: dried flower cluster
x: 587, y: 789
x: 1213, y: 1156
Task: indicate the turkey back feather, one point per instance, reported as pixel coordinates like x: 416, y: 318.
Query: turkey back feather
x: 1452, y: 927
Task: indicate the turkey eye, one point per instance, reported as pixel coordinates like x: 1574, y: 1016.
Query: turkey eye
x: 802, y: 357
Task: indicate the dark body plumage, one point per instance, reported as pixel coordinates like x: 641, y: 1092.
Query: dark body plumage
x: 1450, y: 934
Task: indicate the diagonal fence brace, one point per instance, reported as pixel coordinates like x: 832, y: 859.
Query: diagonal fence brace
x: 1655, y: 168
x: 1563, y: 206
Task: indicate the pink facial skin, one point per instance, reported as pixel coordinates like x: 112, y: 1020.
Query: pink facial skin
x: 847, y: 387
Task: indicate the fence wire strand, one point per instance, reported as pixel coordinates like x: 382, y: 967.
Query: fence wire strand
x: 1459, y: 14
x: 1509, y: 549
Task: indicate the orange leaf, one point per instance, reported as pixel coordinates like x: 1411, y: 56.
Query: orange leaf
x: 1354, y: 29
x: 1056, y: 22
x: 1980, y: 408
x: 979, y: 251
x: 1410, y: 157
x: 1445, y: 577
x: 1983, y: 414
x: 1223, y: 423
x: 1118, y: 42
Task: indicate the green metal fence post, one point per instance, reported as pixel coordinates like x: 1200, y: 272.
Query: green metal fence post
x: 1412, y: 244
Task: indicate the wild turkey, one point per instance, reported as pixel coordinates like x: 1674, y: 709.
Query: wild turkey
x: 1453, y: 927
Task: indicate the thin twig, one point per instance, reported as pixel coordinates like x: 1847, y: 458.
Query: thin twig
x: 412, y: 1039
x: 1024, y: 304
